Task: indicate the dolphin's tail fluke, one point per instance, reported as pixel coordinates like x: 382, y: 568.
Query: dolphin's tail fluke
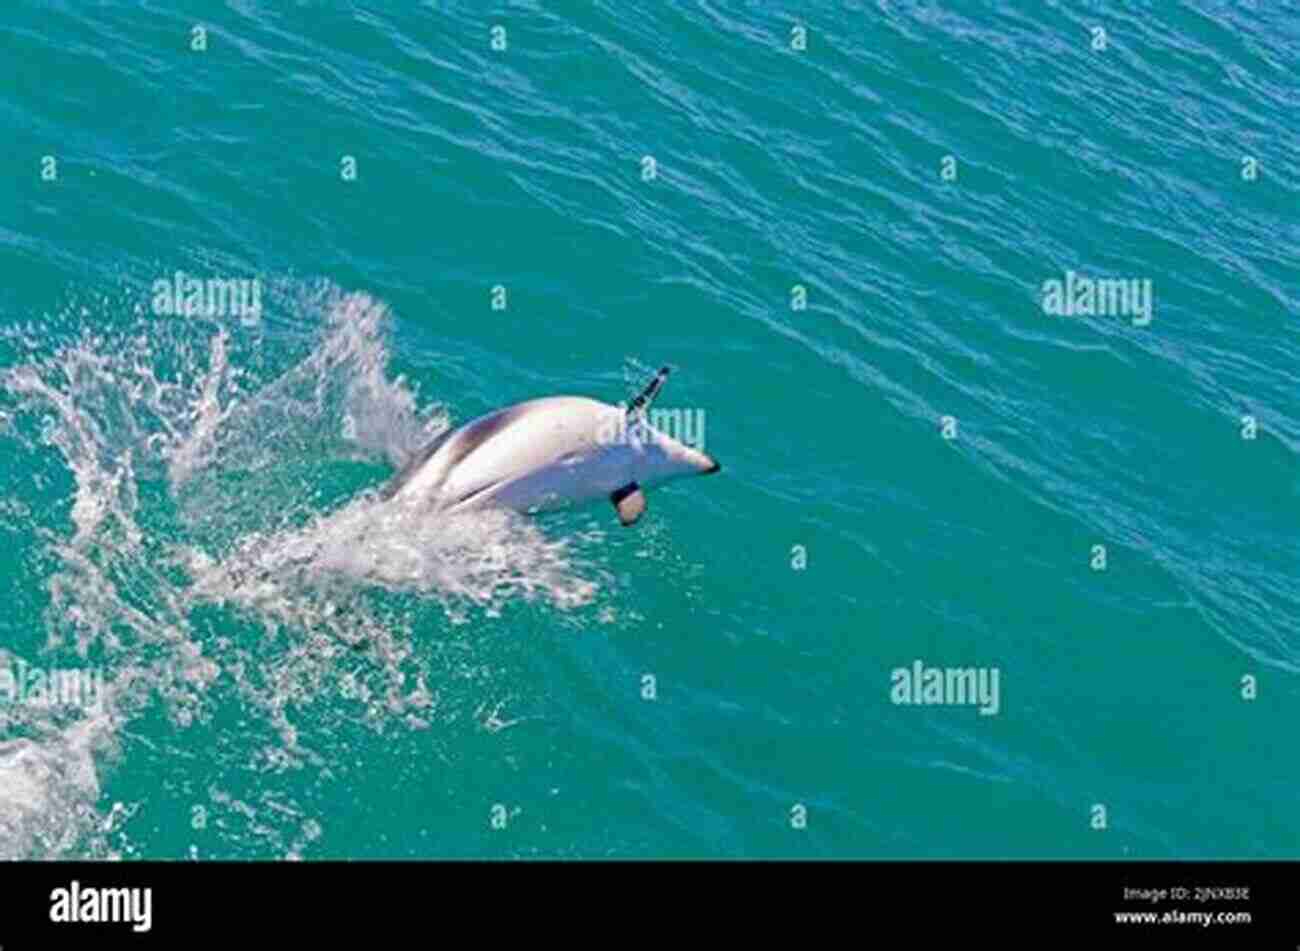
x: 646, y: 396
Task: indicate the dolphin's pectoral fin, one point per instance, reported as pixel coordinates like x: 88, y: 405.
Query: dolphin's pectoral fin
x: 629, y: 501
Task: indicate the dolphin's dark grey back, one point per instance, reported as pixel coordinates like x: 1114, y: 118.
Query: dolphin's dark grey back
x: 413, y: 465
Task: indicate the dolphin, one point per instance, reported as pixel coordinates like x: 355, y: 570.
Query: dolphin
x: 547, y: 453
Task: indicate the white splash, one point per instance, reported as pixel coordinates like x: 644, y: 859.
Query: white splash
x: 194, y: 486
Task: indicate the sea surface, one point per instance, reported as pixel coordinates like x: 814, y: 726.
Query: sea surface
x: 841, y: 224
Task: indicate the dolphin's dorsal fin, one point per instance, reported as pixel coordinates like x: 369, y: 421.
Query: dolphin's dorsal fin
x: 646, y: 396
x: 629, y: 501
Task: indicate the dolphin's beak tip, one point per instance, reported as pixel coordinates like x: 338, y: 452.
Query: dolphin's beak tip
x: 715, y: 467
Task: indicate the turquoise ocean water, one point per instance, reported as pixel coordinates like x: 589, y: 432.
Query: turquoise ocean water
x: 837, y: 221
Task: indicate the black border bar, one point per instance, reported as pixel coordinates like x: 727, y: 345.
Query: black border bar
x: 891, y: 904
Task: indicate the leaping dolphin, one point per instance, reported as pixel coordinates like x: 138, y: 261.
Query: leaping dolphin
x: 547, y: 453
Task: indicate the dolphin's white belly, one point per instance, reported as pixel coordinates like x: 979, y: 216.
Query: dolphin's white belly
x: 578, y: 477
